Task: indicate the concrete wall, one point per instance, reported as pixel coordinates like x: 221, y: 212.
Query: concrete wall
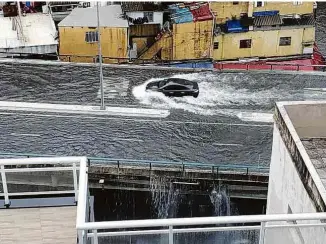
x: 287, y: 7
x: 263, y: 43
x: 286, y: 194
x: 225, y: 10
x: 72, y: 42
x: 192, y: 40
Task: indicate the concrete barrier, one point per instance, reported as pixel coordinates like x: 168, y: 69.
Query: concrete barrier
x: 80, y: 109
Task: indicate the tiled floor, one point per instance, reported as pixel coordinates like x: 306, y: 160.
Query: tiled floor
x: 38, y: 225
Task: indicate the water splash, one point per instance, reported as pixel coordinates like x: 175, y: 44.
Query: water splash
x: 165, y: 197
x: 218, y: 94
x: 221, y: 202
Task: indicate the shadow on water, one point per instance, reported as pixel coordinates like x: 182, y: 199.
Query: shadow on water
x: 165, y: 199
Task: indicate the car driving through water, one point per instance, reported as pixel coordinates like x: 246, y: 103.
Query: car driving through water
x: 174, y: 87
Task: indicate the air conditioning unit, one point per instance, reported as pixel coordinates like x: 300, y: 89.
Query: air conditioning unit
x: 297, y: 16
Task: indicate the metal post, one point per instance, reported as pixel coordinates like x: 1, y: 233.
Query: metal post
x: 262, y: 233
x: 4, y: 185
x: 100, y: 57
x: 74, y: 172
x: 81, y: 237
x: 171, y: 234
x: 92, y: 219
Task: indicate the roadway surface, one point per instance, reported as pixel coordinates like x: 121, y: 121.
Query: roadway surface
x: 230, y: 121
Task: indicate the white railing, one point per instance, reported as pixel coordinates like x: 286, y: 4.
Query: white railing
x: 312, y: 225
x: 170, y: 227
x: 57, y: 164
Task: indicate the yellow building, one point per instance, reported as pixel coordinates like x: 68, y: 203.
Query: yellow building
x: 79, y: 38
x: 224, y: 11
x: 240, y: 30
x: 271, y: 29
x: 271, y: 43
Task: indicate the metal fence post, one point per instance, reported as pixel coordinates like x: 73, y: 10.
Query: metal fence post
x: 4, y: 185
x: 74, y: 172
x: 81, y: 237
x: 262, y: 233
x: 170, y: 234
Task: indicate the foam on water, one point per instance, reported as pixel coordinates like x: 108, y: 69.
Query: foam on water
x: 215, y: 94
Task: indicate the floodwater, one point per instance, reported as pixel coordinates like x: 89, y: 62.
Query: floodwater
x: 229, y: 123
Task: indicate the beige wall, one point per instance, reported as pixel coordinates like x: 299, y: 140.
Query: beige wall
x: 264, y: 43
x: 287, y: 7
x: 224, y: 10
x: 72, y: 42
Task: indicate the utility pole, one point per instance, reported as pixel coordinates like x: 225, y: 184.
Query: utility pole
x: 100, y: 57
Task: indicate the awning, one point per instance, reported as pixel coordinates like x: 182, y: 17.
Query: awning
x: 268, y: 20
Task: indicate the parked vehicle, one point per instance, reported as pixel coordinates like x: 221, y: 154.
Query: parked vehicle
x: 174, y: 87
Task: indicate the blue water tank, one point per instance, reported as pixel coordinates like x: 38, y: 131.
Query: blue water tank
x: 234, y: 26
x: 266, y: 13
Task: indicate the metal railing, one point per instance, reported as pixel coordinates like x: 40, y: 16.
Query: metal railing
x: 88, y: 229
x: 171, y: 227
x: 215, y: 168
x: 49, y: 164
x: 194, y: 62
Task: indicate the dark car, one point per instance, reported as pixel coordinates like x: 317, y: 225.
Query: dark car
x: 174, y: 87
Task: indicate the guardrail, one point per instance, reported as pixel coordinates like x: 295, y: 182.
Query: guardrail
x: 87, y: 228
x: 269, y: 66
x: 150, y: 164
x: 53, y: 162
x: 170, y: 227
x: 193, y: 62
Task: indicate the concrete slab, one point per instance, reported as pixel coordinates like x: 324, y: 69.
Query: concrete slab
x: 38, y: 225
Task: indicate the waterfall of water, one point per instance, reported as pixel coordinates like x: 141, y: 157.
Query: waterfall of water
x: 222, y: 207
x: 165, y: 197
x: 221, y: 202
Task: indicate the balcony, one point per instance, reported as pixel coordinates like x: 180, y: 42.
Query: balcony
x: 253, y: 229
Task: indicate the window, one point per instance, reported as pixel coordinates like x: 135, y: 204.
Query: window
x: 174, y: 87
x: 91, y: 36
x: 235, y: 3
x: 245, y: 43
x: 285, y: 41
x: 259, y: 4
x: 149, y: 15
x: 216, y: 45
x: 297, y: 2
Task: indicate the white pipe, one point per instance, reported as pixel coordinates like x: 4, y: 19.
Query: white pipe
x: 36, y: 193
x: 82, y: 193
x: 4, y: 185
x: 40, y: 160
x: 45, y: 169
x: 199, y: 221
x: 74, y: 173
x: 196, y: 230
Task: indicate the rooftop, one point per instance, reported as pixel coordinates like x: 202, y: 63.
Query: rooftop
x: 140, y: 6
x: 305, y: 122
x: 37, y: 29
x: 110, y: 16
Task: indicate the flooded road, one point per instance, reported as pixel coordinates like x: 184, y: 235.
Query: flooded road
x: 230, y: 121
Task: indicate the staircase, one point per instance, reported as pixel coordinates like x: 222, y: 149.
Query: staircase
x: 17, y: 26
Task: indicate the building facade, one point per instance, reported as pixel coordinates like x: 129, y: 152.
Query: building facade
x: 229, y: 31
x: 263, y: 29
x: 297, y: 179
x: 79, y: 38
